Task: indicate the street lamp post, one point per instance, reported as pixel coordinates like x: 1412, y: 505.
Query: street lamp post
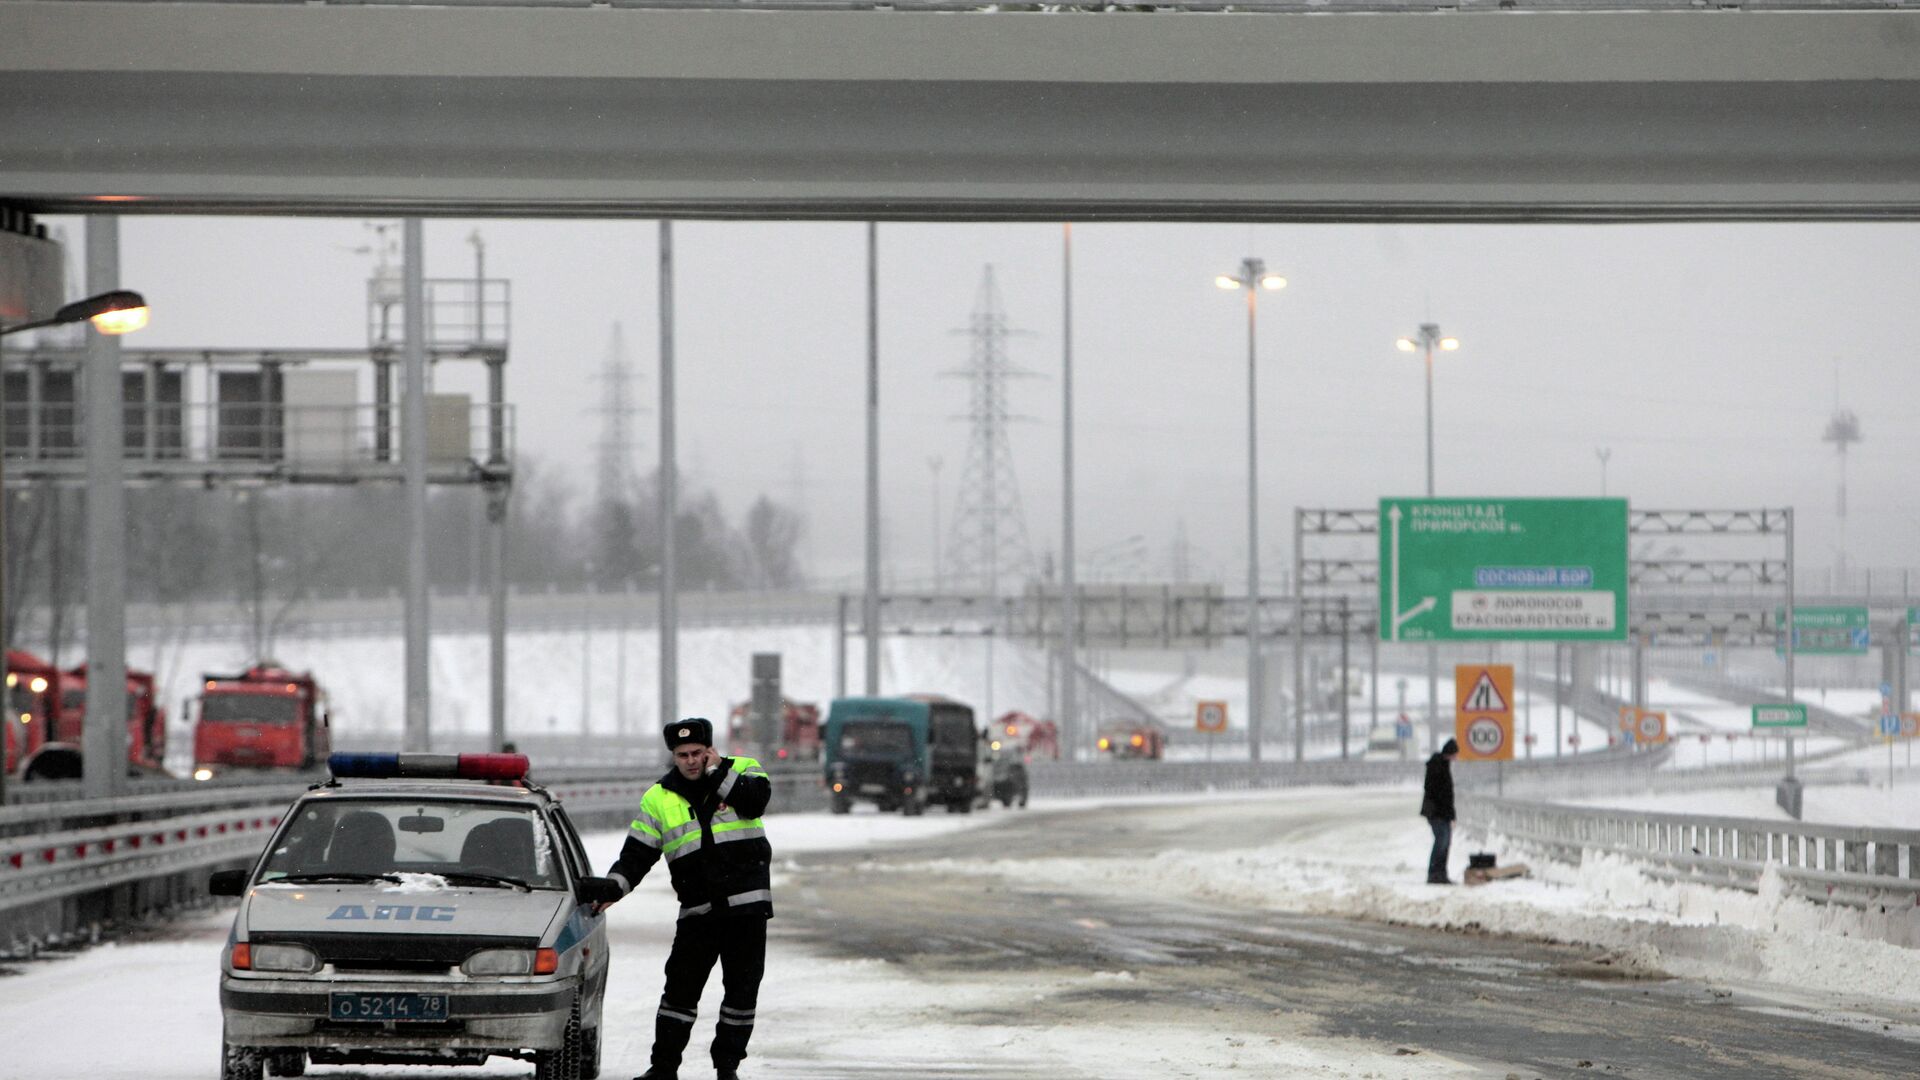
x: 1252, y: 278
x: 1429, y: 337
x: 114, y: 312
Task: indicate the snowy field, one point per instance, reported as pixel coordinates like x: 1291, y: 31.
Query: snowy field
x: 574, y: 682
x: 152, y: 1009
x: 603, y: 682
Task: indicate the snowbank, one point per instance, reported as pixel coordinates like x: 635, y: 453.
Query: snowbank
x: 1373, y: 867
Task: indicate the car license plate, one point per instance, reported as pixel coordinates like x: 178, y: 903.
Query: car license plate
x: 875, y: 788
x: 378, y: 1007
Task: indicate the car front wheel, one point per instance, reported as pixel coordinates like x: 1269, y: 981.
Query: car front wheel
x: 564, y: 1061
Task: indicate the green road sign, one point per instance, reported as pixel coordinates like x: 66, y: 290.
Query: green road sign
x: 1503, y: 569
x: 1827, y: 631
x: 1779, y: 716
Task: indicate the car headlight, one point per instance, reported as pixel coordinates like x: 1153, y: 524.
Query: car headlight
x: 512, y: 962
x: 291, y: 958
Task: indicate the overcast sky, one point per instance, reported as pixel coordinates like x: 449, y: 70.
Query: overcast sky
x: 1704, y: 357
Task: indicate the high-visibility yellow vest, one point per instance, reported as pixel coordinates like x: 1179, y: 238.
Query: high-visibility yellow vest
x: 666, y: 821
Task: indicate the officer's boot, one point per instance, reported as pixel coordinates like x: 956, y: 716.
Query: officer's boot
x: 725, y: 1072
x: 658, y: 1073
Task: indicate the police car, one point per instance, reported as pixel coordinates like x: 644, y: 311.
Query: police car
x: 405, y: 913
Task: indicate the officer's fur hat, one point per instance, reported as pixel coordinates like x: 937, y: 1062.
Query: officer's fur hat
x: 694, y: 729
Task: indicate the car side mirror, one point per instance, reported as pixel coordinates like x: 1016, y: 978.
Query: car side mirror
x: 596, y: 890
x: 227, y: 882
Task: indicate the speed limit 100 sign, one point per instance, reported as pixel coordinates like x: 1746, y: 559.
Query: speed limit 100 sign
x: 1486, y: 738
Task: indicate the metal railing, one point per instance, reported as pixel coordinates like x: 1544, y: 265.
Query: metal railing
x: 53, y: 852
x: 1829, y: 863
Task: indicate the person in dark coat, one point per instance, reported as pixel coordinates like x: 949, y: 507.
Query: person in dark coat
x: 1437, y: 807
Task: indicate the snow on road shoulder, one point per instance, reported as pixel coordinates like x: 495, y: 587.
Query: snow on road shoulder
x: 1373, y: 866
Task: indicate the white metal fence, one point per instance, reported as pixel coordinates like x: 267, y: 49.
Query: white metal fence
x: 1828, y: 863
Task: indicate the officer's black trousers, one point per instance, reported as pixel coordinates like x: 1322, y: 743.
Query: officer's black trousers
x: 740, y: 944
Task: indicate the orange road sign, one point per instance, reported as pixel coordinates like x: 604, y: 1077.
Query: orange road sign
x: 1483, y: 711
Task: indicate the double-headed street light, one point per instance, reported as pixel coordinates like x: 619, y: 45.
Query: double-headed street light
x: 1428, y: 339
x: 1253, y: 277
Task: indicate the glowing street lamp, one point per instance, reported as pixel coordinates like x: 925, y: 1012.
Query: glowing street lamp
x: 1429, y: 338
x: 1252, y: 279
x: 121, y: 311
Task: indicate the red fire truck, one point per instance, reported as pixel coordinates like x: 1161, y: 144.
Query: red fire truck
x: 48, y: 708
x: 33, y: 697
x: 1034, y: 738
x: 797, y: 740
x: 263, y: 718
x: 146, y: 720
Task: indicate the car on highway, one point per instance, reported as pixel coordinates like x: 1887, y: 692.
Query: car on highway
x: 416, y: 909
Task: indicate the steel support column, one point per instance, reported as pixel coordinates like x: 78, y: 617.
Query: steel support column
x: 840, y: 646
x: 497, y: 615
x: 413, y: 453
x: 870, y: 601
x: 669, y: 496
x: 1345, y: 697
x: 104, y: 742
x: 1069, y: 609
x: 1788, y: 631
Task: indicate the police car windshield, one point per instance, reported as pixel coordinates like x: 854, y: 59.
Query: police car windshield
x: 486, y: 844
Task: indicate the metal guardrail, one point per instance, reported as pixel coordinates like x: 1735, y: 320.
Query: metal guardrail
x: 39, y: 868
x: 59, y: 849
x: 1831, y: 863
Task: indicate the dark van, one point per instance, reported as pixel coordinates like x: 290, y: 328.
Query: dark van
x: 901, y: 753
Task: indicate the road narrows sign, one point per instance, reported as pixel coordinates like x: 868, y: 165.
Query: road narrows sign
x: 1483, y: 713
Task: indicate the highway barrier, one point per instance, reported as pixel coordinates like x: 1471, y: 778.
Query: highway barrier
x: 1826, y: 863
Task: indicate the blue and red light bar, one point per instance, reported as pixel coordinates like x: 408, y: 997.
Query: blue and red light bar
x: 427, y: 766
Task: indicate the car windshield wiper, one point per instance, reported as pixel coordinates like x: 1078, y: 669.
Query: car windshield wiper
x: 338, y: 875
x: 486, y: 879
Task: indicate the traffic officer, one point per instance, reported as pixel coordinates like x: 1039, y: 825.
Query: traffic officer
x: 703, y: 816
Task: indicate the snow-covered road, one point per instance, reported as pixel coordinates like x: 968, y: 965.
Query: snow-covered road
x: 1273, y: 936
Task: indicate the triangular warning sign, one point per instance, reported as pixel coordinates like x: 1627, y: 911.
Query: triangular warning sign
x: 1484, y: 697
